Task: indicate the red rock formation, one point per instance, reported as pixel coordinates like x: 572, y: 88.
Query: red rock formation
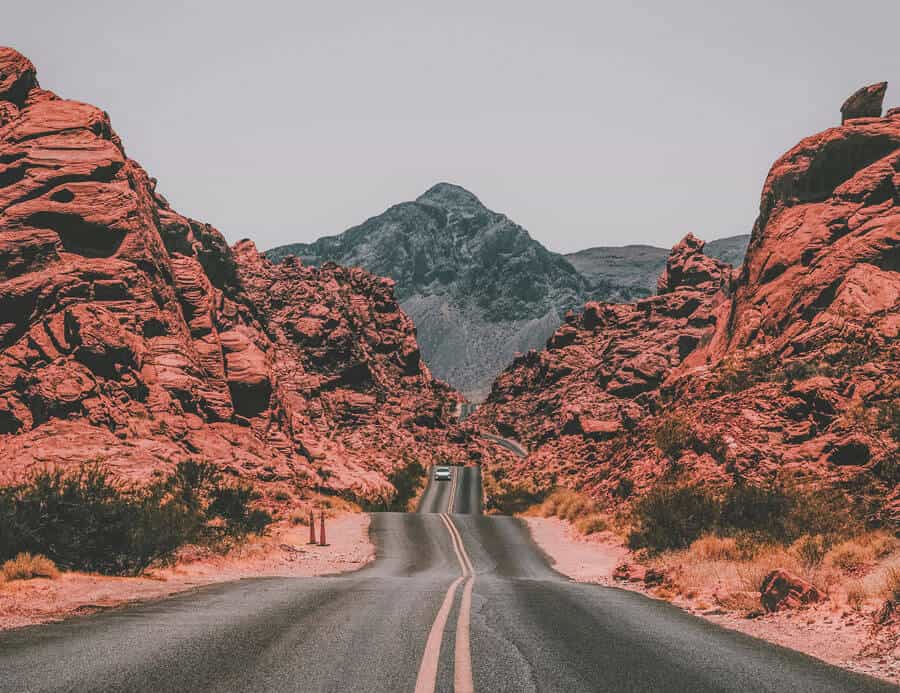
x: 783, y: 590
x: 133, y: 335
x: 792, y: 367
x: 864, y: 102
x: 598, y: 381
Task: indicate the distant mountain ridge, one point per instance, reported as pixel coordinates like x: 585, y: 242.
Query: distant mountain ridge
x: 478, y: 287
x: 639, y: 266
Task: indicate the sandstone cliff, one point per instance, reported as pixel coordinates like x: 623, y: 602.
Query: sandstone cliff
x: 133, y: 335
x: 789, y: 368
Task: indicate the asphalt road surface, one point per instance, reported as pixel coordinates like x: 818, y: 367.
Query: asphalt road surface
x: 453, y: 602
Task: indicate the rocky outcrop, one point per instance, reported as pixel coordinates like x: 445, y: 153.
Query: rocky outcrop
x: 135, y: 336
x: 601, y: 374
x: 782, y: 590
x: 635, y: 269
x: 789, y: 369
x: 865, y: 102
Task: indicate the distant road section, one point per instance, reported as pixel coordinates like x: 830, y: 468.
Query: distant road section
x: 461, y: 495
x: 512, y: 445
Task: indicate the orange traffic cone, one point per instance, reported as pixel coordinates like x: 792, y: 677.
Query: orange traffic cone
x: 322, y: 541
x: 312, y: 527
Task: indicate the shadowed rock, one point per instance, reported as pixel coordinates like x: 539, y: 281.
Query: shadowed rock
x: 864, y: 102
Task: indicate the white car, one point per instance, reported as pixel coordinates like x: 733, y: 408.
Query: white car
x: 442, y: 474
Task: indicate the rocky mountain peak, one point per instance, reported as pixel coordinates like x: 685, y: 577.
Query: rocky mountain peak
x: 450, y: 197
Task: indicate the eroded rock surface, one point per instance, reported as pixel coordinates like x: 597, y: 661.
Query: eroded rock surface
x: 790, y: 368
x: 133, y: 335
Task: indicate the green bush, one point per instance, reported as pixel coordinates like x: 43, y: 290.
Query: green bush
x: 674, y: 435
x: 509, y: 497
x: 85, y: 520
x: 672, y: 517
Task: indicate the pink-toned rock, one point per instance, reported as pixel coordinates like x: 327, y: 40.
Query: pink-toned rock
x: 783, y: 590
x: 865, y: 102
x: 790, y: 367
x: 133, y: 334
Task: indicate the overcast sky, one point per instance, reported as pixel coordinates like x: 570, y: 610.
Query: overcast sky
x: 589, y: 123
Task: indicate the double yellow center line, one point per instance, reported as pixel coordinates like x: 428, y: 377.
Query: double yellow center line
x: 462, y: 667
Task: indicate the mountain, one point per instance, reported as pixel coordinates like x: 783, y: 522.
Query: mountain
x: 133, y: 335
x: 637, y: 267
x: 786, y: 369
x: 477, y: 286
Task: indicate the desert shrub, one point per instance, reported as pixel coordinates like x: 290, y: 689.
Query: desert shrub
x: 856, y: 595
x: 783, y: 513
x: 848, y: 556
x: 579, y: 509
x: 281, y: 496
x: 860, y: 550
x: 85, y: 520
x: 590, y: 524
x: 26, y: 566
x: 892, y: 584
x: 716, y: 548
x: 802, y: 370
x: 674, y: 435
x: 810, y: 549
x: 509, y: 497
x: 737, y: 375
x: 672, y: 517
x: 232, y: 504
x: 407, y: 479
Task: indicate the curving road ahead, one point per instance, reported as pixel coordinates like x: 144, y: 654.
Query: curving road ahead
x: 453, y: 602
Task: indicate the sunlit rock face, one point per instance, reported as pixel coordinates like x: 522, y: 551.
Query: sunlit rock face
x: 135, y: 336
x: 786, y: 367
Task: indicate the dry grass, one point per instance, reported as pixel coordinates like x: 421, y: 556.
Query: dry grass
x: 891, y: 589
x: 713, y: 548
x: 857, y: 571
x: 26, y: 566
x: 858, y: 552
x: 590, y: 524
x: 577, y: 508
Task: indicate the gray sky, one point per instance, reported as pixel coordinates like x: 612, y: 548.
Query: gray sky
x: 589, y: 123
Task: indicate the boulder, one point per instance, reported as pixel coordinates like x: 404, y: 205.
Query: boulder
x: 865, y: 102
x: 783, y: 590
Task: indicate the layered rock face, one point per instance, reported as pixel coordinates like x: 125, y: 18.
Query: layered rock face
x: 575, y: 403
x: 791, y: 371
x: 133, y: 335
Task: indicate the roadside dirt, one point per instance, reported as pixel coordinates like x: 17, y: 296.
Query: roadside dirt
x: 284, y: 553
x: 830, y: 633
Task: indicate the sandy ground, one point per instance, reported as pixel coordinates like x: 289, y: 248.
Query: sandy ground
x: 832, y: 634
x: 283, y: 553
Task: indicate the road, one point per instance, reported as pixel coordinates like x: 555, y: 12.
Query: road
x: 452, y: 602
x: 513, y: 446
